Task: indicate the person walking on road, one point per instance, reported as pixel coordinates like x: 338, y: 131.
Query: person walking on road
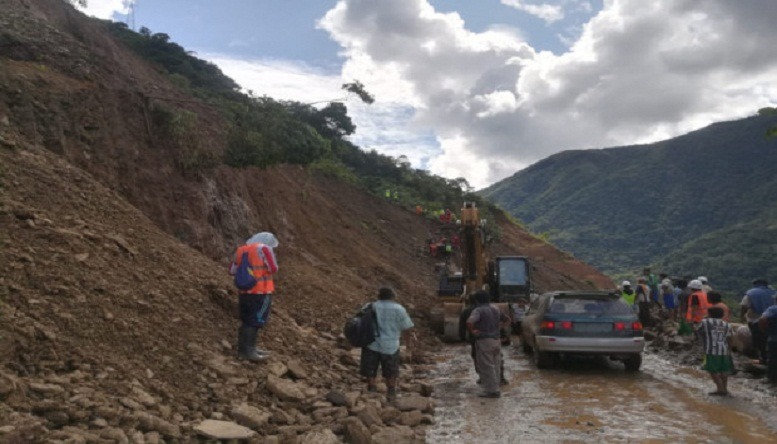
x: 643, y: 301
x: 697, y: 303
x: 392, y: 319
x: 716, y: 334
x: 652, y: 282
x: 668, y: 296
x: 255, y: 302
x: 768, y: 324
x: 485, y: 324
x: 629, y: 296
x: 754, y: 303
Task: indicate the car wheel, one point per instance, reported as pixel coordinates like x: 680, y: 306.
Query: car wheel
x: 544, y: 360
x: 633, y: 362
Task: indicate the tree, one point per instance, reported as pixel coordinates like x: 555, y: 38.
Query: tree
x: 357, y: 88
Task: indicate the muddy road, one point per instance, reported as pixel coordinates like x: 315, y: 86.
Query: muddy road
x: 586, y: 400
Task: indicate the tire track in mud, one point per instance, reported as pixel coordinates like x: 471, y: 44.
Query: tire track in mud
x: 589, y: 399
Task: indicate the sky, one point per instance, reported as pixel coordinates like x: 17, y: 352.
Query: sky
x: 483, y: 88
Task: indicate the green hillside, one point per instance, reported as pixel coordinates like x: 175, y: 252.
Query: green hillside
x: 702, y: 203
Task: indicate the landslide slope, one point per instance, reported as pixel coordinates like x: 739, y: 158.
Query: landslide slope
x: 116, y: 316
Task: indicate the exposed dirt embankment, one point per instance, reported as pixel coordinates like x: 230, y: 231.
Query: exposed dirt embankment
x: 117, y: 318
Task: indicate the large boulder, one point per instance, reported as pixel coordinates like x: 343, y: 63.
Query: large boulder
x: 415, y: 402
x: 213, y: 429
x: 285, y: 389
x: 250, y: 416
x: 324, y: 436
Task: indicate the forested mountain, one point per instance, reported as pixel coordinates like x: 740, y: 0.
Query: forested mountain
x: 702, y: 203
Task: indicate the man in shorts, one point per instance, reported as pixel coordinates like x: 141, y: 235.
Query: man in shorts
x: 392, y: 319
x: 716, y: 334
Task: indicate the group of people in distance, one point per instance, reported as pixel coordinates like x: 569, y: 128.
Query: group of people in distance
x: 701, y: 310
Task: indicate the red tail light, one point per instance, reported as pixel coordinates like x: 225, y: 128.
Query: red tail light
x: 567, y: 325
x: 550, y: 325
x: 619, y: 326
x: 636, y: 326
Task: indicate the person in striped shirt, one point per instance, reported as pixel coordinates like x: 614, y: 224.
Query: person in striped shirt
x: 716, y: 334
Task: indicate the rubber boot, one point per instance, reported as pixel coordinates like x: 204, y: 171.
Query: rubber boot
x: 246, y: 345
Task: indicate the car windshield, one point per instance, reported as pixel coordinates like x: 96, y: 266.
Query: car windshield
x: 594, y: 307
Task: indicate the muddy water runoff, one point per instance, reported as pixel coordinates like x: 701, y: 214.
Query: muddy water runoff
x: 593, y: 399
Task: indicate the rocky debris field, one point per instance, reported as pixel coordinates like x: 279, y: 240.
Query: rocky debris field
x: 108, y: 336
x: 117, y: 319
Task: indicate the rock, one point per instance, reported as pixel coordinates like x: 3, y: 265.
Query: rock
x: 284, y: 389
x: 137, y: 437
x: 338, y: 398
x: 426, y: 389
x: 130, y: 404
x: 143, y: 397
x: 57, y: 418
x: 115, y: 435
x: 277, y: 369
x: 408, y: 403
x: 356, y: 432
x: 324, y: 436
x: 4, y: 430
x: 47, y: 389
x: 211, y: 428
x: 329, y: 414
x: 250, y: 416
x: 369, y: 416
x: 151, y: 423
x: 353, y: 398
x: 389, y: 415
x: 152, y: 438
x: 296, y: 370
x: 394, y: 435
x: 222, y: 368
x: 412, y: 418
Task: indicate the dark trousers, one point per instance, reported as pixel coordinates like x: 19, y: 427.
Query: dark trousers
x: 254, y: 309
x: 771, y: 364
x: 759, y: 340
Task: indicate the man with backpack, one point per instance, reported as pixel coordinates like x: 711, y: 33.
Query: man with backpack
x: 392, y: 319
x: 253, y: 269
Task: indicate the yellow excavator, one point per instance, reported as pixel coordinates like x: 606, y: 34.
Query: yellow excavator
x: 507, y: 279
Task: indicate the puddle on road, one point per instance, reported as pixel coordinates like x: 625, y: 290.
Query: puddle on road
x: 594, y: 399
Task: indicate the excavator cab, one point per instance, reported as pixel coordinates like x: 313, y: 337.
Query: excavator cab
x: 512, y: 280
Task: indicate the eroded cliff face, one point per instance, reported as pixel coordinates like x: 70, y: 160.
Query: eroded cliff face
x: 117, y: 314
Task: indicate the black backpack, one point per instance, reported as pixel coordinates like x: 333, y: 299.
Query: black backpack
x: 362, y: 329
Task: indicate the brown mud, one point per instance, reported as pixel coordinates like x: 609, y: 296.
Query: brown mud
x: 594, y: 399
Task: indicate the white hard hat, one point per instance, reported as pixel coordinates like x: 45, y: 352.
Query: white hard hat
x: 264, y: 237
x: 626, y: 284
x: 695, y: 284
x: 702, y: 278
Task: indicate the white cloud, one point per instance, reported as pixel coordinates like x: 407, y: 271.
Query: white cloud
x: 105, y: 9
x: 547, y: 12
x: 385, y: 126
x: 639, y: 71
x: 280, y: 79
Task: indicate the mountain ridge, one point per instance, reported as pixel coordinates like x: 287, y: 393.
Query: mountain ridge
x: 622, y: 208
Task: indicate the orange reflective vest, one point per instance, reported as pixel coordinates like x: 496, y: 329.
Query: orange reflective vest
x: 697, y: 312
x: 260, y: 270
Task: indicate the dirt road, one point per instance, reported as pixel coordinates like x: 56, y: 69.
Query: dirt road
x: 590, y: 400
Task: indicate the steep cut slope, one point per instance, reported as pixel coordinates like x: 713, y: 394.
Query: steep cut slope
x: 622, y: 208
x: 117, y: 317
